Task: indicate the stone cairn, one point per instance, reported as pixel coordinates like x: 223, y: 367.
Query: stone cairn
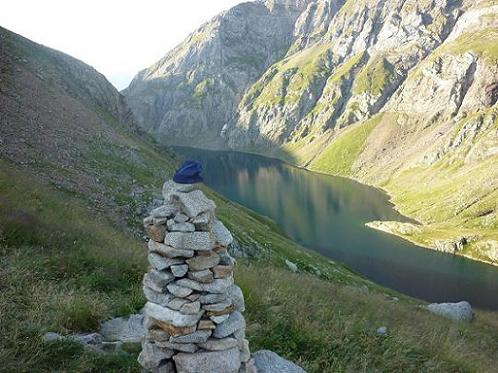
x: 193, y: 316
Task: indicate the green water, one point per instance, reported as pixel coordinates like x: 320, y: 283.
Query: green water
x: 327, y: 214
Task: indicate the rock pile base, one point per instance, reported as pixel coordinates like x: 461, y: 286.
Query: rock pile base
x: 193, y: 313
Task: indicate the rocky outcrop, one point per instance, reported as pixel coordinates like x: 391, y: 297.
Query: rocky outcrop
x: 193, y: 313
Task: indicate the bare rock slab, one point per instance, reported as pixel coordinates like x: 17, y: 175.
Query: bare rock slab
x: 227, y: 361
x: 266, y: 361
x: 125, y: 329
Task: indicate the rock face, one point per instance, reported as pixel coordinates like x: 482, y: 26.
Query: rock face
x: 193, y: 315
x: 381, y: 91
x: 461, y: 311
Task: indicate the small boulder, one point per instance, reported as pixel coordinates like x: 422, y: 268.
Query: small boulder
x: 461, y: 311
x: 265, y: 361
x: 292, y: 266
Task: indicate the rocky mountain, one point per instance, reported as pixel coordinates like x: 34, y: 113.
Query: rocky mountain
x: 390, y: 92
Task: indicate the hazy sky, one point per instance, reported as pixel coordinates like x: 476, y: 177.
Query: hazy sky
x: 117, y: 37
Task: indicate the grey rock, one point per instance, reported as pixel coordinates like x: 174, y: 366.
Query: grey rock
x: 234, y: 322
x: 205, y: 261
x: 461, y: 311
x: 219, y: 319
x: 213, y: 298
x: 165, y: 367
x: 245, y: 353
x: 170, y: 187
x: 170, y: 316
x: 227, y: 361
x: 179, y: 270
x: 180, y: 227
x: 191, y: 308
x: 221, y: 233
x: 204, y: 276
x: 160, y: 262
x: 216, y: 306
x: 203, y: 221
x: 198, y: 336
x: 193, y: 203
x: 266, y: 361
x: 179, y: 291
x: 177, y: 303
x: 215, y: 344
x: 152, y: 355
x: 184, y: 347
x: 237, y: 298
x: 226, y: 259
x: 219, y: 285
x: 191, y: 284
x: 128, y: 329
x: 52, y: 337
x: 199, y: 241
x: 381, y: 330
x: 157, y: 280
x: 181, y: 218
x: 164, y: 211
x: 95, y: 339
x: 157, y: 335
x: 169, y: 251
x: 157, y: 297
x: 292, y: 266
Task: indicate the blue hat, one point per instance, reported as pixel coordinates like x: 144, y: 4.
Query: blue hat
x: 189, y: 173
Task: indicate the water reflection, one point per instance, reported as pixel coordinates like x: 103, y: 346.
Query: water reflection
x: 327, y: 214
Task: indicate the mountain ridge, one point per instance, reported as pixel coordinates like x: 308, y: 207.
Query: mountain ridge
x: 383, y: 92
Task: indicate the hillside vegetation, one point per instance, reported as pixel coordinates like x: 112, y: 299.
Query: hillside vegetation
x: 72, y: 253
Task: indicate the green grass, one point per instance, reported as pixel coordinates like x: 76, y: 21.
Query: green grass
x: 339, y: 157
x: 483, y: 42
x: 373, y: 77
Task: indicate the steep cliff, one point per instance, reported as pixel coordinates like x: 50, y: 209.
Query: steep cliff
x: 388, y: 92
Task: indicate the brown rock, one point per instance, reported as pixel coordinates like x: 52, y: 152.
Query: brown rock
x: 221, y: 271
x: 156, y: 232
x: 205, y: 260
x: 172, y: 330
x: 206, y: 325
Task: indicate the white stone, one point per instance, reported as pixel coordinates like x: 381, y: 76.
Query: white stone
x: 170, y: 316
x: 237, y: 298
x: 265, y: 361
x: 221, y: 233
x: 292, y: 266
x: 461, y: 311
x: 180, y: 227
x: 200, y: 241
x: 181, y: 218
x: 164, y: 211
x: 193, y: 203
x: 129, y: 329
x: 170, y: 187
x: 169, y: 251
x: 227, y: 361
x: 219, y: 319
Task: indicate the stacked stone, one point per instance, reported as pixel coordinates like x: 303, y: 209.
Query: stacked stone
x: 193, y: 311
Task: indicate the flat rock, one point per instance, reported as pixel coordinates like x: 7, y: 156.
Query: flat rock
x: 188, y: 283
x: 193, y: 203
x: 169, y: 251
x: 461, y: 311
x: 180, y: 227
x: 181, y: 218
x: 183, y: 347
x: 219, y: 285
x: 204, y: 276
x: 265, y: 361
x: 234, y: 322
x: 198, y: 336
x: 205, y: 261
x: 129, y: 329
x: 152, y: 355
x: 212, y: 298
x: 179, y: 291
x: 199, y: 241
x: 191, y: 308
x: 219, y: 319
x: 227, y: 361
x: 221, y: 233
x: 170, y: 187
x: 160, y: 262
x: 215, y: 344
x: 216, y: 306
x: 170, y: 316
x: 179, y: 270
x: 164, y: 211
x: 176, y: 303
x: 157, y: 297
x: 206, y: 325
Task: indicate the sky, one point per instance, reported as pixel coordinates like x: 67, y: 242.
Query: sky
x: 117, y: 37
